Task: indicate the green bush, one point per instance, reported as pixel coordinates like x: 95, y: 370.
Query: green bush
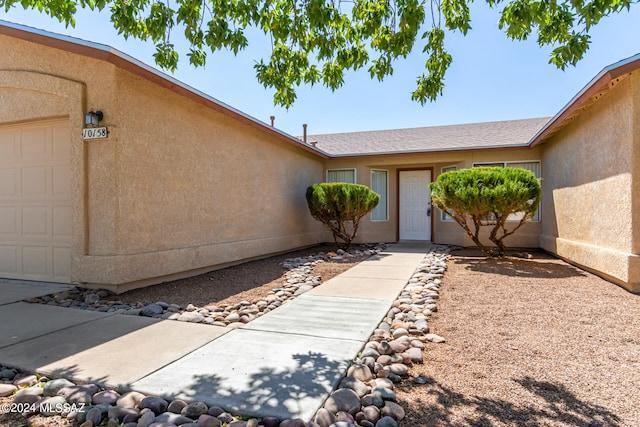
x: 486, y: 196
x: 341, y: 206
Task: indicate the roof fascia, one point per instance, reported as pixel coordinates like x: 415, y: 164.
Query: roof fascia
x: 128, y: 63
x: 405, y: 153
x: 595, y: 86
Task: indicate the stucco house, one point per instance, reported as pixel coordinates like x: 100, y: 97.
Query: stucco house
x: 160, y: 189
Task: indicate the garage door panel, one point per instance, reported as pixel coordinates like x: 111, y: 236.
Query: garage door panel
x: 62, y: 222
x: 35, y: 222
x: 61, y: 181
x: 9, y: 261
x: 34, y: 181
x: 8, y: 182
x: 35, y: 262
x: 9, y: 224
x: 60, y: 142
x: 9, y: 145
x: 34, y: 144
x: 35, y: 201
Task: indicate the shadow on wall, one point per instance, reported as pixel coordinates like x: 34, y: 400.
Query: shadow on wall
x: 554, y: 405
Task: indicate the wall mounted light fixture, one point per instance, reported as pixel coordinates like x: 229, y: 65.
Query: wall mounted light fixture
x: 93, y: 118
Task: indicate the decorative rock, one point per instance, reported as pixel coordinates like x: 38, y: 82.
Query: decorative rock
x: 151, y: 310
x: 393, y: 410
x: 79, y: 394
x: 176, y: 406
x: 382, y: 382
x: 194, y: 409
x: 7, y: 389
x: 324, y: 417
x: 372, y: 400
x: 157, y: 404
x: 94, y: 415
x: 191, y: 316
x: 132, y: 414
x: 436, y: 339
x: 385, y: 348
x: 215, y: 411
x: 414, y: 354
x: 171, y: 418
x: 354, y: 384
x: 146, y: 419
x: 107, y: 396
x: 386, y: 422
x: 371, y: 413
x: 26, y: 381
x: 225, y: 417
x: 296, y: 422
x: 51, y: 388
x: 360, y: 372
x: 343, y: 399
x: 385, y: 393
x: 46, y: 405
x: 131, y: 399
x: 270, y: 422
x: 206, y: 420
x: 26, y: 398
x: 344, y: 417
x: 91, y: 298
x: 399, y: 369
x: 7, y: 374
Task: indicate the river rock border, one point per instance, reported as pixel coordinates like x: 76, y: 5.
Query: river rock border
x: 297, y: 280
x: 365, y: 397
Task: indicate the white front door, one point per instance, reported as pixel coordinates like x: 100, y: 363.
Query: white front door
x: 415, y: 205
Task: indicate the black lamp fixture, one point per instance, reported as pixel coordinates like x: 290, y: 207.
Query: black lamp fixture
x: 93, y: 118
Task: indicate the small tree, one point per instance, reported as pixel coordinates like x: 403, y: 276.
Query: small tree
x: 341, y: 206
x: 487, y: 196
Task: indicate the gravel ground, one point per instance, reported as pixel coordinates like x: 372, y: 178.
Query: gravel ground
x: 529, y: 343
x: 230, y: 285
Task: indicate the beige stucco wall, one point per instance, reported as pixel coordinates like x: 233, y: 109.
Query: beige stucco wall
x: 176, y: 187
x: 590, y: 192
x: 443, y: 232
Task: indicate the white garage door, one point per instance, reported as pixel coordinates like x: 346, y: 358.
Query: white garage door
x: 35, y: 201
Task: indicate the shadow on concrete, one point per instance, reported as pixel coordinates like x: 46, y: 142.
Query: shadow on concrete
x: 552, y: 404
x: 293, y: 392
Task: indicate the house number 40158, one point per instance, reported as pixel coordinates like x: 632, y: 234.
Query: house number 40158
x: 95, y: 133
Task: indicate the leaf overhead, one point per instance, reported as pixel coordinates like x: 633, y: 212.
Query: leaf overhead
x: 318, y: 41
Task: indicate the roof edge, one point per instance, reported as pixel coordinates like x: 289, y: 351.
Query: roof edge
x: 595, y: 85
x: 131, y: 64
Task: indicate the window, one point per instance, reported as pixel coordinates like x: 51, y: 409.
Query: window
x: 341, y: 175
x: 445, y: 216
x: 533, y: 166
x: 380, y: 184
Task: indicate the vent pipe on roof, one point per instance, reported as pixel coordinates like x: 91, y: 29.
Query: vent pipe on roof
x: 273, y: 120
x: 304, y: 133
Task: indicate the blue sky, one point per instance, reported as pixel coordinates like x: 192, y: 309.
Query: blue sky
x: 491, y: 78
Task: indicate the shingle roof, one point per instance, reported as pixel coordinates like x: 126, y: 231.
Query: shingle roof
x: 512, y: 133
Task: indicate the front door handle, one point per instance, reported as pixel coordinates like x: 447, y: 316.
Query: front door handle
x: 428, y: 211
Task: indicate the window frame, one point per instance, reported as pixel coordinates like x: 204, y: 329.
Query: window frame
x: 386, y: 171
x: 355, y: 174
x: 505, y: 164
x: 444, y: 216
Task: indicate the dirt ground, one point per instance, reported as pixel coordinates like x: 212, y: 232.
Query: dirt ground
x: 529, y: 343
x: 246, y: 281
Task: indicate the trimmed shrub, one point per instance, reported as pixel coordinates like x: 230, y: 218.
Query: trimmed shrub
x: 341, y: 206
x: 487, y: 196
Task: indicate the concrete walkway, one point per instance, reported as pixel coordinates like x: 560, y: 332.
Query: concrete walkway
x: 282, y: 364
